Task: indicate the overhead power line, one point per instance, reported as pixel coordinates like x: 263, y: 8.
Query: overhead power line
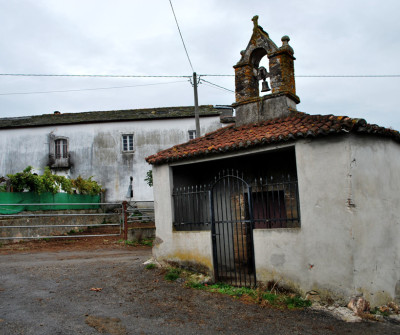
x: 182, y: 76
x: 220, y: 87
x: 183, y: 42
x: 350, y: 76
x: 88, y: 75
x: 322, y: 75
x: 90, y: 89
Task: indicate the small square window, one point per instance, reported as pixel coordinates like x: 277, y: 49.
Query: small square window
x: 127, y: 142
x: 192, y: 134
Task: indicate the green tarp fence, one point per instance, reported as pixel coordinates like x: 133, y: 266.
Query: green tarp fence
x: 45, y: 198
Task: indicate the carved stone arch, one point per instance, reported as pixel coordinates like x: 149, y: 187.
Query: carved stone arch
x: 256, y: 57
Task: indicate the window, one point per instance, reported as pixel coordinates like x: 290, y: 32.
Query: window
x: 127, y: 142
x: 61, y: 148
x: 192, y: 134
x: 59, y: 156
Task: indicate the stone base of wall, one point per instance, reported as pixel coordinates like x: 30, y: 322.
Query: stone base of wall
x: 138, y: 234
x: 15, y: 233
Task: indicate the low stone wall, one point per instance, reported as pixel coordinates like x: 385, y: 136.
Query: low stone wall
x: 140, y: 233
x: 57, y: 218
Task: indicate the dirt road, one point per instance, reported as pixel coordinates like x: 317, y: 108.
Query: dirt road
x: 109, y: 291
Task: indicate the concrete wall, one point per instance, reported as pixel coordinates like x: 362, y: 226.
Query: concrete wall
x: 96, y: 150
x: 191, y: 249
x: 350, y: 222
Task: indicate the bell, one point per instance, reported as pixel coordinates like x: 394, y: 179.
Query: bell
x: 265, y: 87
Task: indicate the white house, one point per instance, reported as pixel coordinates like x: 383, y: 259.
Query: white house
x: 309, y: 201
x: 108, y: 145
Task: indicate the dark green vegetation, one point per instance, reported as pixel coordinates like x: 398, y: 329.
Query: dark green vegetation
x: 49, y: 182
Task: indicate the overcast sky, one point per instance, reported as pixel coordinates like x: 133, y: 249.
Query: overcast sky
x: 132, y: 37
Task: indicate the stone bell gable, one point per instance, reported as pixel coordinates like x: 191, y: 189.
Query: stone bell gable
x: 250, y: 106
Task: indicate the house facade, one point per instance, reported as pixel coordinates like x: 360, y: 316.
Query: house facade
x: 110, y: 145
x: 306, y: 201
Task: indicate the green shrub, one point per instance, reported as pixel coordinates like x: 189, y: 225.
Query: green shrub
x: 49, y: 182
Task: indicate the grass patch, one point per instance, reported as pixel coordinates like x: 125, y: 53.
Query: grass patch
x: 297, y: 302
x: 145, y: 242
x: 377, y: 311
x: 150, y: 266
x: 255, y: 295
x: 172, y: 274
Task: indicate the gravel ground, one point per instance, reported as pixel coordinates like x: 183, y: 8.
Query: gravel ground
x: 53, y: 292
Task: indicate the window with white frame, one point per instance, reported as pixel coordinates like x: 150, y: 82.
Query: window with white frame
x: 192, y: 134
x: 127, y: 142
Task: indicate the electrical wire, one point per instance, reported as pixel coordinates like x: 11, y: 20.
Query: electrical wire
x: 182, y: 76
x: 91, y: 89
x: 322, y: 76
x: 221, y: 87
x: 183, y: 42
x: 88, y: 75
x: 350, y: 76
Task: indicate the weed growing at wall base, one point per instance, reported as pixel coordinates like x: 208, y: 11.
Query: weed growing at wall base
x: 258, y: 296
x: 172, y: 274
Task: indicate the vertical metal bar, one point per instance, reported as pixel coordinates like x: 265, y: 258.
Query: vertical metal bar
x: 121, y: 220
x: 291, y: 197
x: 229, y: 227
x: 183, y: 219
x: 264, y: 208
x: 267, y: 204
x: 235, y: 220
x: 239, y: 223
x: 192, y: 210
x: 273, y: 209
x: 251, y: 225
x: 279, y: 218
x: 125, y: 221
x: 224, y: 220
x: 297, y: 202
x: 218, y: 229
x: 213, y: 235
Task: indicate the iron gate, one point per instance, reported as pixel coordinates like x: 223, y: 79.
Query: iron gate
x: 232, y: 230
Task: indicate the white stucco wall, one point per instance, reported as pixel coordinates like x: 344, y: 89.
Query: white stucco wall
x: 96, y: 150
x: 350, y: 219
x: 188, y: 248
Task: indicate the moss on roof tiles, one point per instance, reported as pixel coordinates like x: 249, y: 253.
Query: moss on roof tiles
x: 296, y: 126
x: 106, y: 116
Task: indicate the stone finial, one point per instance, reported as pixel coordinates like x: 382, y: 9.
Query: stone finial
x: 255, y: 21
x: 285, y: 40
x: 285, y: 44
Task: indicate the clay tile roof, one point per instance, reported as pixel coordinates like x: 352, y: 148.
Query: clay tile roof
x: 297, y: 125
